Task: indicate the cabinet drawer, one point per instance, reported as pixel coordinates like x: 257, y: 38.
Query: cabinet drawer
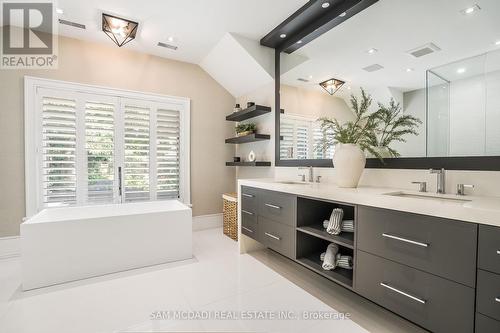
x: 277, y: 236
x: 249, y: 225
x: 279, y: 207
x: 250, y: 199
x: 488, y: 294
x: 489, y: 248
x: 438, y: 246
x: 437, y: 304
x: 486, y: 325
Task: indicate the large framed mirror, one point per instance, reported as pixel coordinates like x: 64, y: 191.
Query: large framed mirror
x: 440, y: 67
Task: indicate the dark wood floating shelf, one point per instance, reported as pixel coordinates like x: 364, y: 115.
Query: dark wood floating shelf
x: 251, y: 112
x: 339, y: 275
x: 248, y: 138
x: 345, y: 238
x: 249, y: 164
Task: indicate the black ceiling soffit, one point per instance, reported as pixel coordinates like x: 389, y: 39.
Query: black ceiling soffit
x: 311, y: 21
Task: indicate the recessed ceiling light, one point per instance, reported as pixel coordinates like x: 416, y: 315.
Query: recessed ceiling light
x: 470, y: 10
x: 325, y: 4
x: 497, y: 42
x: 170, y: 38
x: 310, y: 77
x: 299, y: 42
x: 409, y: 69
x: 343, y: 14
x: 59, y: 11
x: 372, y: 51
x: 283, y: 36
x: 348, y: 87
x: 461, y: 70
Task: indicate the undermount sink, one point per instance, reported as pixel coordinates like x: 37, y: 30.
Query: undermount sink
x: 290, y: 182
x: 428, y: 197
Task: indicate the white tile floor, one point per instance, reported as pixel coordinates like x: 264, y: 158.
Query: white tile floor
x: 219, y: 279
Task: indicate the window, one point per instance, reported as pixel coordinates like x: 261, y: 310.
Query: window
x: 92, y: 145
x: 300, y: 137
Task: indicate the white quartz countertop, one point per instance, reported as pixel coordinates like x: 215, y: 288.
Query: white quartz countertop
x: 482, y: 210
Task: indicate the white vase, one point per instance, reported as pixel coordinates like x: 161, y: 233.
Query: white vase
x: 349, y: 162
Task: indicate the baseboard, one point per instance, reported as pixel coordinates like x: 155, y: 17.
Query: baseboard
x: 203, y: 222
x: 10, y: 247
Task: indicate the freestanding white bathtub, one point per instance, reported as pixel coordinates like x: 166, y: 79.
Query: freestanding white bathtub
x: 71, y: 243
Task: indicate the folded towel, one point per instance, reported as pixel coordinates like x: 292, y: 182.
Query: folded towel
x: 344, y: 261
x: 335, y: 225
x: 347, y: 225
x: 340, y: 260
x: 330, y: 257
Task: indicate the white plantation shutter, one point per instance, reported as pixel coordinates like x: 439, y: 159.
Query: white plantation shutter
x: 167, y: 153
x: 58, y: 150
x: 88, y: 147
x: 287, y: 133
x: 302, y: 140
x: 100, y: 151
x: 136, y: 170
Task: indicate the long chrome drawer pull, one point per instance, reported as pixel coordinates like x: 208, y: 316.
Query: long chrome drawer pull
x: 246, y: 212
x: 273, y: 206
x: 245, y: 228
x: 497, y: 299
x: 272, y: 236
x: 247, y: 195
x: 405, y: 240
x: 403, y: 293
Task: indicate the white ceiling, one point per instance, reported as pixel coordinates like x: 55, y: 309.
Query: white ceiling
x: 196, y: 25
x: 394, y: 27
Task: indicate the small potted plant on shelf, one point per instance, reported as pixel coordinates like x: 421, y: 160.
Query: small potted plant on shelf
x: 245, y: 129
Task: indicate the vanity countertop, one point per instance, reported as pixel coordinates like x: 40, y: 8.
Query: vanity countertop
x: 482, y: 210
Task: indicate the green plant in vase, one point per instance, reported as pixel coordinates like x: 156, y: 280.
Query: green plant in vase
x: 393, y: 126
x: 246, y: 129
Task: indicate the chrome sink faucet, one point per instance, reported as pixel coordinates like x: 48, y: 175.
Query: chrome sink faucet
x: 441, y: 180
x: 311, y: 173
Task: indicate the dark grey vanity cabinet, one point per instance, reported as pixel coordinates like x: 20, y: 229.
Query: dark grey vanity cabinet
x: 441, y: 274
x: 488, y: 280
x: 269, y: 218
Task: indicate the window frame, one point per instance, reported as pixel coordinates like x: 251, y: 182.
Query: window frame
x: 32, y: 131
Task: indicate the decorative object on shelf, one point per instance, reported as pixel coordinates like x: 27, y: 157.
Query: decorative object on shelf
x: 393, y: 126
x: 120, y: 30
x: 236, y: 159
x: 250, y: 104
x: 251, y: 156
x: 237, y: 108
x: 245, y: 129
x: 347, y: 225
x: 332, y: 85
x: 330, y: 262
x: 340, y: 260
x: 351, y: 139
x: 335, y: 222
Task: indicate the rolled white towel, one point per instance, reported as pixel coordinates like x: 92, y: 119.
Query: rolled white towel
x: 330, y: 257
x: 344, y: 261
x: 335, y: 225
x: 347, y: 225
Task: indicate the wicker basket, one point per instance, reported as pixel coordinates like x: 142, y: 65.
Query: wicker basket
x: 230, y: 215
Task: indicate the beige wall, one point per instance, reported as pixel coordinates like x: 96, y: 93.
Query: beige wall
x: 108, y: 65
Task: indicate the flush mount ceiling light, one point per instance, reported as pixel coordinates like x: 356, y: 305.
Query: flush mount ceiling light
x: 461, y: 70
x: 332, y: 85
x: 470, y: 10
x: 120, y: 30
x: 372, y: 51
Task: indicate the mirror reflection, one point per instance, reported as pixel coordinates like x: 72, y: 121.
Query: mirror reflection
x: 433, y: 98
